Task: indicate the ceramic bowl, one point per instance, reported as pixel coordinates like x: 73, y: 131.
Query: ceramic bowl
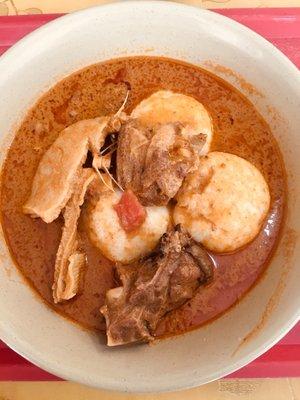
x: 229, y: 50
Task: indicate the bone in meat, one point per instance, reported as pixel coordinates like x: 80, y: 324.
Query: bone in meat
x: 154, y: 286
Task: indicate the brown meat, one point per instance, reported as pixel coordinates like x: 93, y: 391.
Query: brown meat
x: 133, y: 141
x: 153, y: 162
x: 163, y: 281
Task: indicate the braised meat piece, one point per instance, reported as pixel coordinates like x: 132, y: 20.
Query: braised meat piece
x: 153, y: 162
x: 133, y: 141
x: 157, y: 284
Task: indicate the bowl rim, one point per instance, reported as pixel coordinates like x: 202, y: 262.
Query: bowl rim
x: 37, y: 36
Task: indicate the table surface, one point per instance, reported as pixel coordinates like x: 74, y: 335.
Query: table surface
x: 282, y: 360
x: 13, y: 7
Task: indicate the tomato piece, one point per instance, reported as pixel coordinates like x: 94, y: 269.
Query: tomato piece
x: 130, y: 211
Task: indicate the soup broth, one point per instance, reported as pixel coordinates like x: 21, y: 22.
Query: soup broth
x: 99, y: 90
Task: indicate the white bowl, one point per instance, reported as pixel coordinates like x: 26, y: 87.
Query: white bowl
x: 197, y: 36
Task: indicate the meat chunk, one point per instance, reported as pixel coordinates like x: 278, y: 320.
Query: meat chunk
x: 133, y: 141
x: 153, y: 162
x: 130, y: 212
x: 69, y: 260
x: 157, y: 284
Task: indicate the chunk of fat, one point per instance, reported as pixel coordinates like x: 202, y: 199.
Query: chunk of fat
x: 223, y: 203
x: 55, y: 176
x: 107, y: 234
x: 69, y: 260
x: 115, y: 293
x: 165, y: 106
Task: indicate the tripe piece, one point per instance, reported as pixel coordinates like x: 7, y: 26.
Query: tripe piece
x: 69, y: 259
x: 55, y: 177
